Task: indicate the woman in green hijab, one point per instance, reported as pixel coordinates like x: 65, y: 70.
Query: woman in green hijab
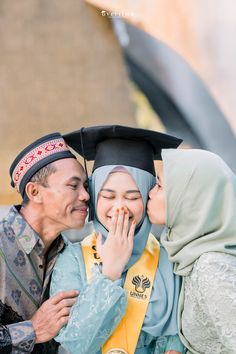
x: 195, y: 198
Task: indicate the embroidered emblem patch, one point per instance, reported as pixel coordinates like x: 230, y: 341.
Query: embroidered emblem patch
x: 141, y: 283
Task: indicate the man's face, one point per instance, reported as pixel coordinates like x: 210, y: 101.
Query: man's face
x: 65, y: 198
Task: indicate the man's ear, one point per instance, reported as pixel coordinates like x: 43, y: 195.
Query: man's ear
x: 32, y: 189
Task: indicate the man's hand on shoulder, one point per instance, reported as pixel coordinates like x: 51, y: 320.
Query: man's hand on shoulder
x: 53, y: 315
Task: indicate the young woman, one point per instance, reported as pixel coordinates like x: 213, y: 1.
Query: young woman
x: 195, y: 198
x: 128, y: 292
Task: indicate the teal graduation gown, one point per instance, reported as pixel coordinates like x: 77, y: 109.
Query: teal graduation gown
x: 98, y: 310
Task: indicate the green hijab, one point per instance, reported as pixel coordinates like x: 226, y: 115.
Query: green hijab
x: 200, y: 206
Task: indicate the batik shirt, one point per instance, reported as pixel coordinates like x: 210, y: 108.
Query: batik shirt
x: 24, y: 279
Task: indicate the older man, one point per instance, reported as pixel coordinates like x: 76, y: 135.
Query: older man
x: 52, y: 184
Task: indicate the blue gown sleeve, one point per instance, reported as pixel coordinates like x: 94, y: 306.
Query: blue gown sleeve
x: 99, y: 308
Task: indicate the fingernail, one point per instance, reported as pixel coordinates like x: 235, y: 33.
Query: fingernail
x: 122, y: 208
x: 117, y: 210
x: 125, y: 212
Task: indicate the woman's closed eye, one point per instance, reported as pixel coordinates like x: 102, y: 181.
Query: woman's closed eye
x: 133, y: 196
x: 107, y: 195
x: 158, y: 184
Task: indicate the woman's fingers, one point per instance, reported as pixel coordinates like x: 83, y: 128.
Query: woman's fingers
x: 116, y: 250
x: 120, y: 223
x: 114, y: 220
x: 131, y: 233
x: 125, y: 225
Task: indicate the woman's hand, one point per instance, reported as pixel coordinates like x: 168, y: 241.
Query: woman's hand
x: 172, y: 352
x: 116, y: 250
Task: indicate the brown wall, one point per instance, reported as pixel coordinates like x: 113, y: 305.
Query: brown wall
x: 60, y: 68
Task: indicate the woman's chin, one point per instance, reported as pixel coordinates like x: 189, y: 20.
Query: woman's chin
x: 153, y: 220
x: 150, y: 217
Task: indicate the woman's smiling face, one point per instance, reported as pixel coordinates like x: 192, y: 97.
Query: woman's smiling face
x: 119, y: 191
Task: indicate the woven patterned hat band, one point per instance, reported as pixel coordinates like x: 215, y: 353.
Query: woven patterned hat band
x: 45, y: 150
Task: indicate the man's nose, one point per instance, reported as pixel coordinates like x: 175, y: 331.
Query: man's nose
x: 83, y: 194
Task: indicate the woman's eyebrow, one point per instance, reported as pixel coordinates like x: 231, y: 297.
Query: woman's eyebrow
x: 107, y: 190
x: 133, y: 191
x: 113, y: 191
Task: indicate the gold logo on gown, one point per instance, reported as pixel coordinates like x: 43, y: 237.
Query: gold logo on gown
x: 141, y: 283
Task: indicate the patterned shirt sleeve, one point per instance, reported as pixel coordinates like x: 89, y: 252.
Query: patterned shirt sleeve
x: 99, y: 308
x: 17, y: 337
x: 5, y: 340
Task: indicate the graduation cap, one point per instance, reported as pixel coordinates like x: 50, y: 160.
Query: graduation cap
x: 120, y: 145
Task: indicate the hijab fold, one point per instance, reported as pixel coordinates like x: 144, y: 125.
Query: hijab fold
x: 200, y: 206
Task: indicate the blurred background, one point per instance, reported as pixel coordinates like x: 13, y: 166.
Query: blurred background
x: 159, y: 64
x: 167, y: 65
